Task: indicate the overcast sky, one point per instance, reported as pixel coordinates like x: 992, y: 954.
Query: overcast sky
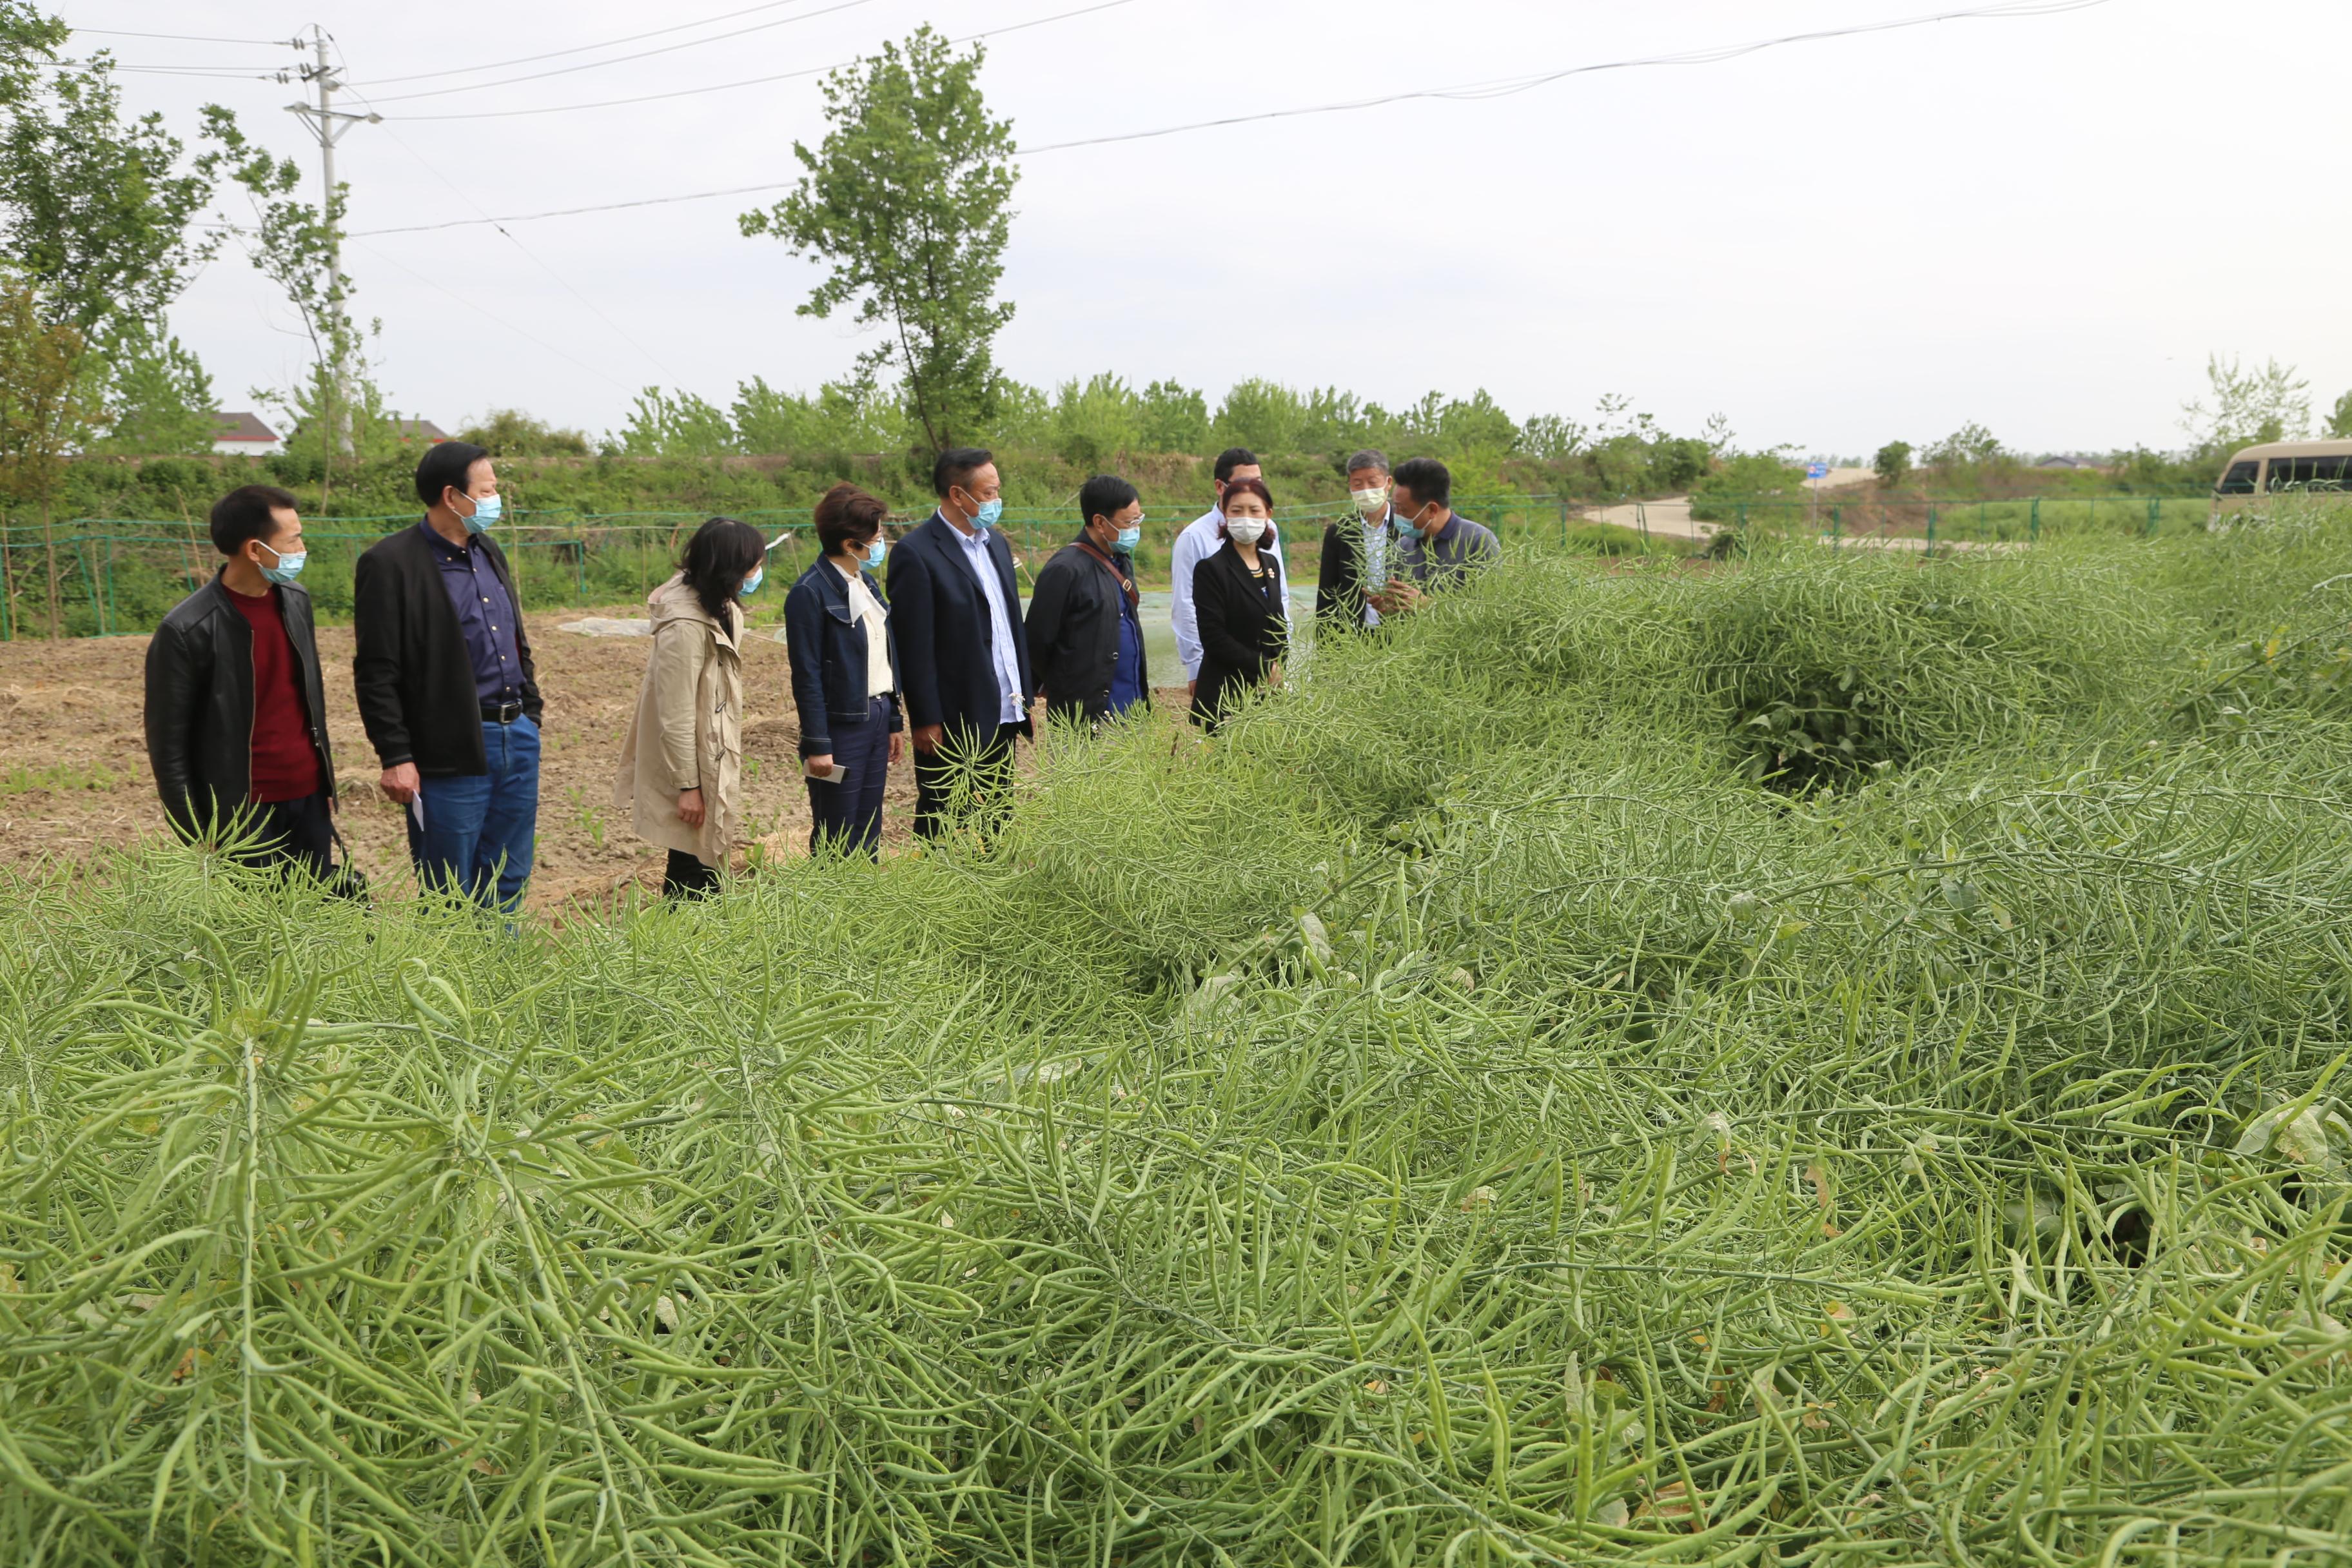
x: 2044, y: 224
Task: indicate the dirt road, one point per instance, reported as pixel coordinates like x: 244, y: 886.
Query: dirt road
x: 74, y: 775
x: 1670, y: 516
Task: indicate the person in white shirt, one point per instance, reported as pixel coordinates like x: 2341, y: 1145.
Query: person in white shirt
x: 963, y: 656
x: 1200, y: 541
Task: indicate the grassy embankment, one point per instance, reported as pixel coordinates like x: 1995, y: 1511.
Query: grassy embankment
x: 1834, y: 1060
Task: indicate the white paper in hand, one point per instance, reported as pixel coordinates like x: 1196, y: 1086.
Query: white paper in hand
x: 416, y: 809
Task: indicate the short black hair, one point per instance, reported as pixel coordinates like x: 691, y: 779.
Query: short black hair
x: 445, y: 465
x: 245, y: 513
x: 1428, y: 480
x: 1105, y: 495
x: 956, y: 466
x: 1233, y: 457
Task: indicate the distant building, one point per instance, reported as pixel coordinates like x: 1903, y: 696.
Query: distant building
x: 421, y: 432
x: 2069, y: 460
x: 243, y: 435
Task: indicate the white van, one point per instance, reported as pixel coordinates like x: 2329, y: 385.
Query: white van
x: 2278, y: 466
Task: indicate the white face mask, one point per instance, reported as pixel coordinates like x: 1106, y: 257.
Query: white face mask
x: 1369, y: 502
x: 1245, y: 530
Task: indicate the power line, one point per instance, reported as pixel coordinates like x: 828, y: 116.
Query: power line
x: 181, y: 37
x: 756, y: 80
x: 463, y: 195
x: 1466, y: 92
x: 583, y: 48
x: 622, y: 60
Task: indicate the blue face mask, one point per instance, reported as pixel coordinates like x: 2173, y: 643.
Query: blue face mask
x: 487, y: 509
x: 289, y: 567
x: 875, y: 552
x: 1128, y: 537
x: 752, y: 583
x: 986, y: 518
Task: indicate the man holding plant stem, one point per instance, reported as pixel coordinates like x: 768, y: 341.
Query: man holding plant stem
x: 1436, y: 547
x: 1356, y: 554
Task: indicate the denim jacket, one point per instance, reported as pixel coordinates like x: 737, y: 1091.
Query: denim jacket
x: 826, y: 644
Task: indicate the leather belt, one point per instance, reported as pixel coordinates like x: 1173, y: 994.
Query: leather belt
x: 501, y: 712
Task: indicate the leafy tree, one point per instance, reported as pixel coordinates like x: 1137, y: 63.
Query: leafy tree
x: 1549, y: 438
x: 1094, y: 421
x: 1971, y: 443
x: 665, y: 425
x: 1264, y: 415
x: 44, y: 414
x: 844, y: 417
x: 906, y: 198
x: 1174, y: 418
x: 512, y: 433
x: 2243, y: 407
x: 1893, y: 463
x: 96, y: 208
x: 2339, y: 419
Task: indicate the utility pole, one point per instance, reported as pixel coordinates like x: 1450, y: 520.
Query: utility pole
x: 327, y: 123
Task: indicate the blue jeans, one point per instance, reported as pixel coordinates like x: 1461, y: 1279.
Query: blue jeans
x: 479, y: 828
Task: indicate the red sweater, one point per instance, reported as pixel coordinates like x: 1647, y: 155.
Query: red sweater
x: 285, y: 762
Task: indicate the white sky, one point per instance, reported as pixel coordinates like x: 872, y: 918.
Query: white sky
x: 2044, y: 224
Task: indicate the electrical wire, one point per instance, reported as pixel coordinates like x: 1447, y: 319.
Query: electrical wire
x: 565, y: 283
x: 640, y: 55
x: 583, y: 49
x: 1466, y: 92
x: 1508, y: 86
x: 182, y: 37
x: 761, y: 80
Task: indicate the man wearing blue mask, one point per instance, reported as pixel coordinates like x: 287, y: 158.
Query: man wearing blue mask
x: 963, y: 658
x: 445, y: 684
x: 1086, y: 638
x: 236, y: 712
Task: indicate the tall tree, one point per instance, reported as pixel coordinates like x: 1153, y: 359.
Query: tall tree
x: 906, y: 198
x: 97, y: 210
x: 44, y: 415
x: 2243, y: 407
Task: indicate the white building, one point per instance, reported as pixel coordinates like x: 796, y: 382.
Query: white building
x: 243, y: 435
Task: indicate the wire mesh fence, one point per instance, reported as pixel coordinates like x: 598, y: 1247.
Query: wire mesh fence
x: 107, y: 576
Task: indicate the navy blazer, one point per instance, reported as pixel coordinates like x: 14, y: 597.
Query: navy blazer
x: 947, y: 670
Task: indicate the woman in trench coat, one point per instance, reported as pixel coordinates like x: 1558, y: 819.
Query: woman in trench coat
x: 682, y: 766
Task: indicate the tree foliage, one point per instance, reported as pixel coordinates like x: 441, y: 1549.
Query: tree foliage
x: 907, y: 199
x: 2339, y: 419
x: 1893, y: 463
x: 2243, y: 407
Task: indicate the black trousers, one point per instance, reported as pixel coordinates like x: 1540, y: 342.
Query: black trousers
x: 685, y: 876
x: 286, y: 836
x: 965, y: 785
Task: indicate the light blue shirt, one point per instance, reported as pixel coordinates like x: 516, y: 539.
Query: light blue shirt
x: 1376, y: 560
x: 1000, y: 621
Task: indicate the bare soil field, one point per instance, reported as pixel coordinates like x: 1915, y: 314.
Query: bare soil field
x: 74, y: 775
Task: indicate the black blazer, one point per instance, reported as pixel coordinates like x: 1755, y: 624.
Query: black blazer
x: 1072, y: 629
x: 947, y: 670
x: 1241, y: 634
x: 412, y: 674
x: 1340, y: 582
x: 200, y: 704
x: 827, y: 644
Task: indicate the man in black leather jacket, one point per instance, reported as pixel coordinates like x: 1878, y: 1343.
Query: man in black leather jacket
x: 236, y: 713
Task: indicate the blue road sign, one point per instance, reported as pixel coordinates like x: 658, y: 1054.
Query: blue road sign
x: 1817, y: 470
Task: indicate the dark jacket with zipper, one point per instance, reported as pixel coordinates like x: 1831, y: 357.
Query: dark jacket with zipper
x: 200, y: 704
x: 1072, y: 629
x: 1242, y: 636
x: 826, y: 644
x: 941, y: 622
x: 412, y: 674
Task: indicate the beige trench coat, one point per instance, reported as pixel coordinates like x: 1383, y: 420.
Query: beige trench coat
x: 688, y: 728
